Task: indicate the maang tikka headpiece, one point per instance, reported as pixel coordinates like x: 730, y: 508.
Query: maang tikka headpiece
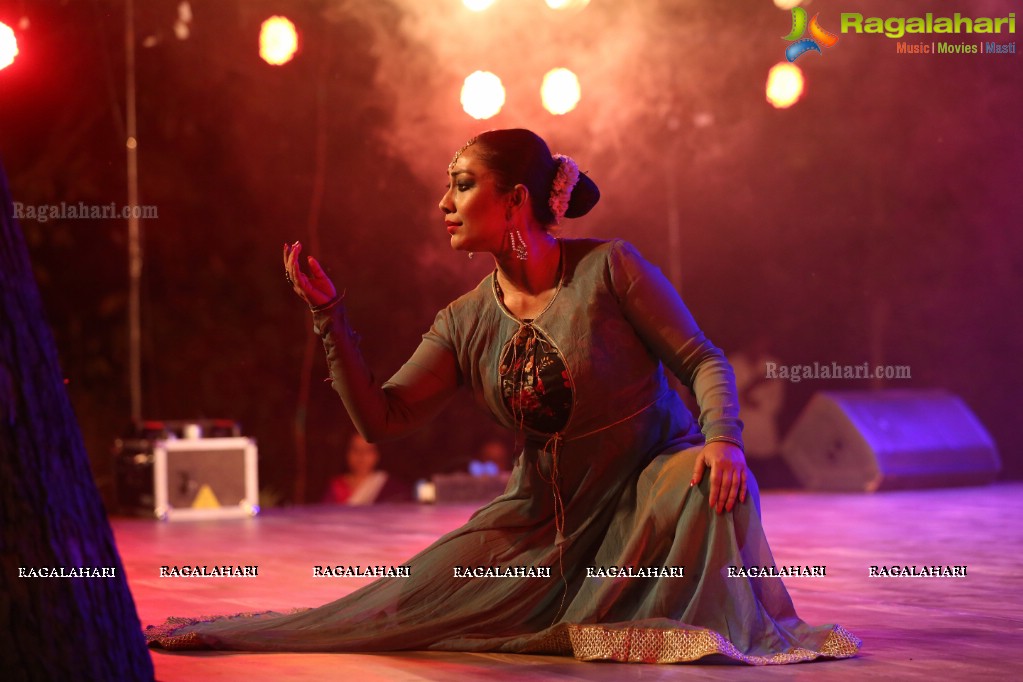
x: 461, y: 150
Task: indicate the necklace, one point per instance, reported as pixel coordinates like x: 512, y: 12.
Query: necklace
x: 559, y: 279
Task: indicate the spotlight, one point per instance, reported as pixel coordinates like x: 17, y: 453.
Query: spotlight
x: 787, y: 4
x: 482, y: 95
x: 560, y: 91
x: 278, y: 41
x: 784, y: 85
x: 567, y: 4
x: 8, y: 46
x: 181, y: 26
x: 478, y: 5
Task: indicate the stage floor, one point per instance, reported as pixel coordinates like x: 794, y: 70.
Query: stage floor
x: 912, y: 628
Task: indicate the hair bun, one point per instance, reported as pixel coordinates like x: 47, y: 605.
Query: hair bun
x: 520, y: 156
x: 584, y: 197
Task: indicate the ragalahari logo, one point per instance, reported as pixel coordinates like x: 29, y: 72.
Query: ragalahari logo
x: 819, y: 36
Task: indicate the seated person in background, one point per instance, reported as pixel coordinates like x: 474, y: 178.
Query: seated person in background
x: 364, y: 483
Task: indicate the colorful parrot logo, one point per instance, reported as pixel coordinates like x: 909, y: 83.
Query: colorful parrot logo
x: 799, y: 25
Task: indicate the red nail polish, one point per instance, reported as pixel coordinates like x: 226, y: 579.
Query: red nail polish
x: 692, y: 483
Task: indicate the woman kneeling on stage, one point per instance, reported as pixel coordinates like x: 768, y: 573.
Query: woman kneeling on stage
x: 623, y: 515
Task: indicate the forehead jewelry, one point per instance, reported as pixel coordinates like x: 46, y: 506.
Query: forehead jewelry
x: 465, y: 146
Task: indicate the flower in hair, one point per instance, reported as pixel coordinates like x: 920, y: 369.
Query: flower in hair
x: 561, y: 189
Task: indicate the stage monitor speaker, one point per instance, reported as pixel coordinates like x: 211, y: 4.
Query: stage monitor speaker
x: 205, y: 478
x: 883, y: 440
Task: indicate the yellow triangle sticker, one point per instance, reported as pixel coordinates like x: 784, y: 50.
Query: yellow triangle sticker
x: 205, y: 499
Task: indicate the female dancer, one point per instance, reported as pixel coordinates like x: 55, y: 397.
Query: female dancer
x: 627, y: 526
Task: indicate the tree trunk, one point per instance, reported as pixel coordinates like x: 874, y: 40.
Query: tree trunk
x: 51, y: 516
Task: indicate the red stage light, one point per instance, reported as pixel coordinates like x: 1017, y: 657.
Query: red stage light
x: 278, y: 41
x: 482, y: 95
x: 8, y: 46
x: 784, y: 85
x: 560, y: 91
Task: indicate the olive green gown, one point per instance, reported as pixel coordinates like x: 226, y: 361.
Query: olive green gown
x: 601, y: 487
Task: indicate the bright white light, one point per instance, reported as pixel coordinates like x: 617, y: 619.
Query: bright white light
x: 567, y: 4
x: 278, y: 41
x: 560, y: 91
x: 784, y: 85
x: 787, y: 4
x: 8, y: 46
x: 482, y: 95
x: 478, y: 5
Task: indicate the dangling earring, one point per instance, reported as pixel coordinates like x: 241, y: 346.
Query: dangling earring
x: 518, y: 244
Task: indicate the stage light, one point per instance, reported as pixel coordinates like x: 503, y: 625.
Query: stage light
x: 181, y: 26
x: 567, y: 4
x: 787, y: 4
x: 482, y: 95
x: 278, y: 41
x: 478, y: 5
x: 560, y: 91
x: 8, y: 46
x: 784, y: 85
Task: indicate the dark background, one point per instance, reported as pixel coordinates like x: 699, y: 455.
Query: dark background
x: 877, y: 220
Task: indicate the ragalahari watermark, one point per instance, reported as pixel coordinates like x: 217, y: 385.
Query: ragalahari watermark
x: 42, y: 213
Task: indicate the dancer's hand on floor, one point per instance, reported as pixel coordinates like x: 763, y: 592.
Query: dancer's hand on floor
x: 728, y: 472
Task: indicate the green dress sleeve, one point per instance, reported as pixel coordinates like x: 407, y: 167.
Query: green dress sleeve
x: 410, y: 398
x: 662, y: 321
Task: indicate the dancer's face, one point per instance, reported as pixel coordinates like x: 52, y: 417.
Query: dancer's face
x: 475, y: 210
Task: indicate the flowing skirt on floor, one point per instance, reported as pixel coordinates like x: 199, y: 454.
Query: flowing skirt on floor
x: 653, y: 524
